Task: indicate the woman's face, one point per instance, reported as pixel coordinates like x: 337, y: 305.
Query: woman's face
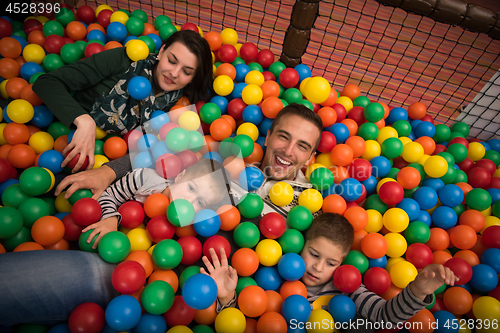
x: 176, y: 67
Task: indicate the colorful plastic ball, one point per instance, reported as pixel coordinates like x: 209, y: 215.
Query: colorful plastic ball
x: 442, y: 317
x: 35, y: 181
x: 444, y: 217
x: 491, y: 236
x: 342, y: 308
x: 402, y: 273
x: 396, y: 219
x: 391, y: 193
x: 252, y: 94
x: 128, y: 277
x: 150, y: 323
x: 206, y: 223
x: 139, y: 87
x: 223, y: 85
x: 299, y: 218
x: 157, y: 297
x: 251, y: 205
x: 272, y: 225
x: 246, y: 234
x: 296, y: 308
x: 347, y: 278
x: 230, y: 320
x: 87, y: 317
x: 167, y: 254
x: 292, y: 241
x: 251, y: 178
x: 289, y: 78
x: 311, y: 199
x: 86, y: 211
x: 281, y: 194
x: 377, y: 280
x: 478, y: 199
x: 380, y: 166
x: 291, y: 266
x: 396, y: 244
x: 426, y: 197
x: 461, y: 268
x: 269, y: 252
x: 374, y: 245
x: 114, y: 247
x: 199, y: 291
x: 252, y: 301
x: 486, y: 308
x: 484, y: 278
x: 317, y: 89
x: 11, y: 222
x: 20, y: 111
x: 34, y: 53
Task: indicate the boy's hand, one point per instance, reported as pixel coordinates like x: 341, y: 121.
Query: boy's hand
x: 224, y: 275
x: 430, y: 279
x: 102, y: 227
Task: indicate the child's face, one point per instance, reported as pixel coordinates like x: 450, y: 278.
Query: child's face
x: 322, y: 257
x: 197, y: 191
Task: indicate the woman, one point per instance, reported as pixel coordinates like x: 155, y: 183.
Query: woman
x: 183, y: 66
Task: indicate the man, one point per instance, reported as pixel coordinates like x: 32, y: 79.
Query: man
x: 45, y: 286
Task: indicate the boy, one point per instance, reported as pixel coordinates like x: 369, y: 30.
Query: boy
x: 327, y: 243
x: 203, y: 184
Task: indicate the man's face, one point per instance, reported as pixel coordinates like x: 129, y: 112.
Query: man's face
x: 289, y: 147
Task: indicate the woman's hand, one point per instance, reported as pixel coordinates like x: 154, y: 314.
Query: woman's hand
x: 102, y: 228
x: 430, y: 279
x: 224, y: 275
x: 83, y: 142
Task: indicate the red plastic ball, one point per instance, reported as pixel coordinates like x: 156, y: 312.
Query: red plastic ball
x: 235, y: 108
x: 272, y: 225
x: 377, y: 280
x: 180, y: 313
x: 5, y: 170
x: 189, y: 26
x: 227, y: 53
x: 31, y: 25
x: 132, y: 213
x: 360, y: 169
x: 216, y: 242
x: 479, y: 177
x: 160, y: 228
x: 439, y: 149
x: 461, y: 268
x: 86, y: 211
x: 248, y: 52
x: 87, y: 318
x: 72, y: 231
x: 347, y: 278
x: 428, y: 118
x: 341, y: 112
x: 191, y: 249
x: 131, y: 139
x: 168, y: 165
x: 53, y: 43
x: 187, y: 158
x: 491, y: 236
x: 289, y: 78
x: 459, y: 140
x: 391, y: 193
x: 85, y: 14
x: 487, y: 164
x: 420, y: 255
x: 104, y: 17
x: 327, y: 142
x: 128, y: 277
x: 494, y: 183
x: 356, y: 114
x: 71, y: 164
x: 265, y: 58
x: 268, y: 76
x: 466, y: 165
x: 165, y: 129
x: 93, y: 48
x: 5, y: 28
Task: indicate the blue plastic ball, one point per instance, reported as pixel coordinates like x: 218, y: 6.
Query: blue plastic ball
x: 116, y: 31
x: 42, y: 116
x: 51, y: 159
x: 350, y: 189
x: 491, y: 257
x: 381, y: 166
x: 451, y: 195
x: 97, y: 34
x: 261, y: 142
x: 150, y: 324
x: 397, y: 114
x: 494, y: 144
x: 295, y: 308
x: 331, y: 190
x: 206, y: 223
x: 304, y: 71
x: 411, y: 207
x: 435, y: 183
x: 251, y: 178
x: 199, y: 291
x: 342, y: 308
x: 146, y: 142
x: 123, y: 313
x: 414, y: 123
x: 494, y: 193
x: 238, y: 90
x: 426, y: 197
x: 129, y: 38
x: 425, y: 128
x: 221, y: 102
x: 412, y: 136
x: 291, y: 266
x: 379, y: 262
x: 157, y: 40
x: 265, y: 126
x: 340, y: 131
x: 61, y: 215
x: 370, y: 184
x: 444, y: 322
x: 7, y: 183
x: 425, y: 217
x: 241, y: 71
x: 60, y: 328
x: 444, y: 217
x: 486, y: 145
x: 268, y: 278
x: 212, y: 155
x: 6, y: 116
x: 161, y: 148
x: 139, y: 87
x: 158, y: 119
x: 20, y: 39
x: 143, y: 160
x: 29, y: 68
x: 253, y: 114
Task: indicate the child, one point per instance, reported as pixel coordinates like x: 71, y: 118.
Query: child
x: 327, y: 243
x: 203, y: 184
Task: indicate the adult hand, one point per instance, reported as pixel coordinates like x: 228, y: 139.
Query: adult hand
x: 431, y: 278
x: 83, y: 142
x: 101, y: 228
x: 224, y: 275
x: 96, y: 180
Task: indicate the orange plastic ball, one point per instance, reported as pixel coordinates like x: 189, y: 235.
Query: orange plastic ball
x: 457, y: 300
x: 270, y: 88
x: 29, y: 95
x: 2, y: 249
x: 339, y: 173
x: 9, y: 68
x: 149, y: 29
x: 357, y: 144
x: 328, y: 116
x: 61, y: 245
x: 352, y: 126
x: 115, y: 147
x: 14, y: 86
x: 156, y: 205
x: 10, y: 47
x: 439, y: 239
x: 47, y: 230
x: 94, y: 26
x: 466, y: 188
x: 473, y: 218
x: 274, y: 301
x: 463, y: 237
x: 293, y: 288
x: 20, y: 60
x: 214, y: 39
x: 423, y: 319
x: 245, y: 261
x: 226, y: 69
x: 28, y: 246
x: 417, y: 110
x: 271, y: 106
x: 229, y: 217
x: 408, y: 178
x: 36, y: 37
x: 391, y: 292
x: 252, y: 301
x: 168, y: 276
x: 144, y: 258
x: 234, y: 166
x: 342, y: 155
x: 15, y: 133
x: 469, y: 256
x: 357, y: 216
x: 230, y: 120
x: 76, y: 30
x: 440, y: 257
x: 256, y: 155
x: 60, y: 143
x: 206, y: 316
x: 374, y: 245
x: 351, y: 90
x: 183, y: 101
x: 21, y: 156
x: 334, y: 203
x: 358, y: 237
x: 427, y: 143
x: 185, y: 231
x: 271, y: 322
x: 112, y: 45
x: 220, y: 129
x: 4, y: 150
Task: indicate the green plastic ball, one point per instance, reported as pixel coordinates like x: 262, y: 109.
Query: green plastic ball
x: 53, y: 28
x: 442, y: 134
x: 495, y: 209
x: 51, y: 62
x: 167, y: 254
x: 51, y: 202
x: 374, y: 112
x: 157, y: 297
x: 417, y: 232
x: 242, y: 145
x: 255, y: 66
x: 374, y: 202
x: 361, y: 101
x: 99, y: 147
x: 180, y: 212
x: 478, y: 199
x: 402, y: 127
x: 237, y: 61
x: 31, y: 328
x: 225, y: 147
x: 292, y: 95
x: 493, y: 156
x: 114, y: 247
x: 430, y: 306
x: 135, y: 26
x: 368, y: 131
x: 161, y: 20
x: 454, y: 135
x: 460, y: 177
x: 11, y: 222
x: 35, y: 76
x: 448, y: 157
x: 23, y: 236
x: 79, y: 194
x: 420, y: 169
x: 409, y: 193
x: 64, y: 16
x: 13, y: 195
x: 203, y: 329
x: 251, y: 205
x: 96, y: 41
x: 459, y: 209
x: 70, y: 53
x: 276, y: 68
x: 307, y: 104
x: 209, y: 112
x: 321, y: 179
x: 166, y: 31
x: 449, y: 176
x: 459, y: 152
x: 357, y: 259
x: 243, y: 283
x: 57, y: 129
x: 149, y: 42
x: 299, y: 218
x: 392, y: 147
x: 393, y: 173
x: 195, y: 141
x: 187, y: 273
x: 82, y: 241
x: 32, y: 209
x: 441, y: 289
x: 292, y: 241
x: 461, y: 128
x: 35, y: 181
x: 177, y: 139
x: 140, y: 14
x: 246, y: 234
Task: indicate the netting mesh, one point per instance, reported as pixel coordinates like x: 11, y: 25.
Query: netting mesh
x: 394, y: 56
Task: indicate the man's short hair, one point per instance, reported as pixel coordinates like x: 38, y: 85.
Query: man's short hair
x: 334, y: 227
x: 303, y: 112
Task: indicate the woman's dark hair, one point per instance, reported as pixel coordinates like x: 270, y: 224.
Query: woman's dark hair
x: 202, y: 84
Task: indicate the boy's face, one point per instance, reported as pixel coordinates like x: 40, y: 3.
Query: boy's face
x: 322, y: 257
x: 197, y: 191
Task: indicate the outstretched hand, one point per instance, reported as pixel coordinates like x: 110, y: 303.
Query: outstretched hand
x: 224, y: 275
x: 101, y: 228
x: 431, y: 278
x: 96, y: 180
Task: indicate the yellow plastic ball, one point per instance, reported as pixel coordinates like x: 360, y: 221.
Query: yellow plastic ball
x: 423, y: 159
x: 317, y: 89
x: 238, y: 46
x: 1, y: 114
x: 137, y: 50
x: 402, y: 273
x: 497, y: 173
x: 2, y: 139
x: 249, y: 129
x: 119, y: 16
x: 436, y: 166
x: 486, y: 307
x: 383, y: 181
x: 375, y: 222
x: 320, y: 321
x: 180, y: 329
x: 281, y: 194
x: 42, y: 19
x: 100, y: 134
x: 223, y: 85
x: 102, y: 7
x: 139, y: 239
x: 476, y: 151
x: 200, y: 31
x: 313, y: 167
x: 325, y: 160
x: 34, y: 53
x: 230, y: 320
x: 396, y: 244
x: 41, y: 141
x: 229, y: 36
x: 3, y: 92
x: 150, y: 250
x: 252, y: 94
x: 99, y: 160
x: 405, y: 140
x: 190, y: 121
x: 311, y: 199
x: 62, y: 205
x: 490, y: 220
x: 20, y: 111
x: 396, y: 219
x: 392, y: 261
x: 486, y: 212
x: 412, y: 152
x: 254, y: 77
x: 372, y: 150
x: 52, y: 179
x: 346, y: 102
x: 178, y: 27
x: 269, y: 252
x: 386, y: 133
x: 303, y: 84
